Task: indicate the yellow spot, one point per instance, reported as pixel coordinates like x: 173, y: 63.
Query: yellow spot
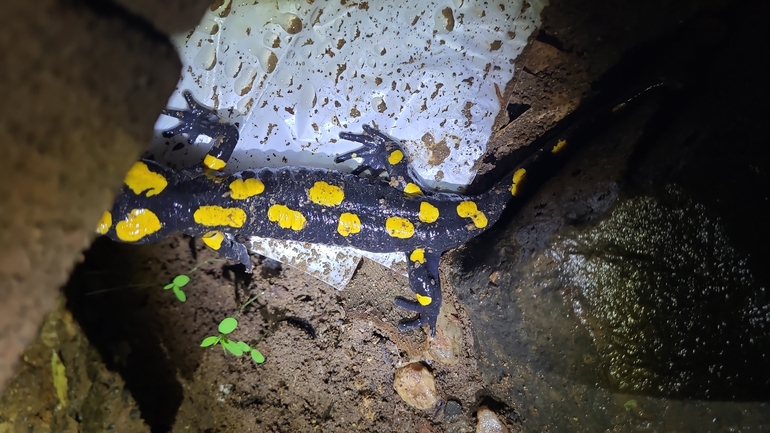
x: 428, y: 212
x: 395, y: 157
x: 140, y: 179
x: 518, y: 180
x: 417, y: 256
x: 560, y: 145
x: 286, y: 218
x: 398, y: 227
x: 220, y: 216
x: 423, y: 300
x: 468, y: 209
x: 213, y: 162
x: 214, y: 239
x: 138, y: 224
x: 105, y: 222
x: 241, y: 189
x: 349, y: 224
x: 411, y: 188
x: 326, y: 195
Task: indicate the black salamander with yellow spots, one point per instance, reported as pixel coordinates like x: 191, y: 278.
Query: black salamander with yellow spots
x: 312, y: 205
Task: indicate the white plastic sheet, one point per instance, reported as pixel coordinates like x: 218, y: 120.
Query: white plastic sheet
x: 293, y: 74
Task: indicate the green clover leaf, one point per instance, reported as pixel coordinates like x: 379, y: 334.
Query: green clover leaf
x: 227, y: 325
x: 180, y: 294
x: 257, y: 356
x: 232, y: 347
x: 210, y: 341
x: 244, y: 347
x: 181, y: 280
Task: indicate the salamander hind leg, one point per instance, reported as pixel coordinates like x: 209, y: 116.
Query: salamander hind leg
x: 381, y: 153
x: 228, y: 247
x: 424, y: 282
x: 198, y: 120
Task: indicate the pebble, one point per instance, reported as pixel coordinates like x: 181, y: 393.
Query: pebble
x: 489, y: 422
x: 452, y: 409
x: 416, y: 385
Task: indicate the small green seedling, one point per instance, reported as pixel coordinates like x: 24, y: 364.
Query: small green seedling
x: 177, y: 284
x: 181, y: 280
x: 237, y: 348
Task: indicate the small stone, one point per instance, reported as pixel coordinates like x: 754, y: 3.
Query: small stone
x: 494, y: 276
x: 489, y: 422
x: 415, y: 384
x: 452, y: 409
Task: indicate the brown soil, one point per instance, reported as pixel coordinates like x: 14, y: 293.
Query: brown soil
x: 330, y: 355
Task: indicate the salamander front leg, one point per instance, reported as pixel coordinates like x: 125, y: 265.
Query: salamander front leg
x: 371, y: 153
x: 196, y: 119
x: 381, y: 153
x: 228, y: 247
x: 424, y: 282
x: 199, y: 120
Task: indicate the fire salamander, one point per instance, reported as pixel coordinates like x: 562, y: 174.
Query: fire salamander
x: 312, y: 205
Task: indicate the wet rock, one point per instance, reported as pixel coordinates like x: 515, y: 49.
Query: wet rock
x: 119, y: 75
x: 641, y: 413
x: 669, y: 299
x: 415, y: 384
x: 488, y: 422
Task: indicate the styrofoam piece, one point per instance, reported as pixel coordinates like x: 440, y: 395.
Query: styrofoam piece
x: 333, y: 265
